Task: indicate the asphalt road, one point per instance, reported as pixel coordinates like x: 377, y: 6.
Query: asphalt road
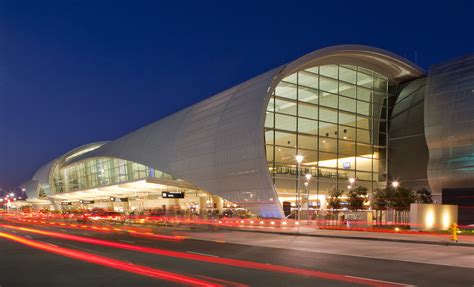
x: 24, y: 265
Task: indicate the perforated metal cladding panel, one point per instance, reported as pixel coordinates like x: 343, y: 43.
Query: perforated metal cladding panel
x: 216, y: 144
x: 449, y: 124
x: 408, y: 154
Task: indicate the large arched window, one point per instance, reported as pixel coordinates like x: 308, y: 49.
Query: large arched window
x: 336, y: 117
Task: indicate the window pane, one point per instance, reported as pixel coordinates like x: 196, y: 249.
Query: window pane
x: 307, y: 111
x: 307, y: 95
x: 363, y: 108
x: 347, y: 90
x: 328, y: 100
x: 329, y: 71
x: 346, y: 148
x: 347, y: 75
x: 347, y: 119
x: 310, y: 157
x: 364, y: 80
x: 307, y: 126
x: 285, y: 122
x: 285, y: 139
x: 327, y: 129
x: 363, y: 122
x: 285, y: 155
x: 328, y: 85
x: 327, y: 160
x: 347, y: 133
x: 363, y: 136
x: 308, y: 80
x: 328, y: 145
x: 285, y: 107
x: 269, y: 120
x: 347, y: 104
x: 269, y: 151
x: 291, y: 79
x: 380, y: 84
x: 269, y: 137
x: 327, y: 115
x: 286, y: 90
x: 364, y: 164
x: 307, y: 142
x: 364, y: 94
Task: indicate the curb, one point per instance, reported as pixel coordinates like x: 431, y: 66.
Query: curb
x: 442, y: 243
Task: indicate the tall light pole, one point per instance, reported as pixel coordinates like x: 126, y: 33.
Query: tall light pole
x: 306, y: 184
x: 299, y: 160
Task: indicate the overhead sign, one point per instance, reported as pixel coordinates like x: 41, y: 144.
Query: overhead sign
x: 172, y: 194
x: 86, y: 201
x: 119, y: 199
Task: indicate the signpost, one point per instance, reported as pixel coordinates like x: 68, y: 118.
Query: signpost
x: 172, y: 194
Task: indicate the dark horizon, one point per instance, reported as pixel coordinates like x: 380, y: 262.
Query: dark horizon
x: 75, y: 73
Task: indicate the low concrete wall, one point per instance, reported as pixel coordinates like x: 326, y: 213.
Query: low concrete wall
x: 432, y: 216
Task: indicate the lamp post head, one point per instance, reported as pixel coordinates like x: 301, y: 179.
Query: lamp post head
x: 395, y: 184
x: 308, y: 176
x: 299, y: 158
x: 352, y: 180
x: 306, y: 183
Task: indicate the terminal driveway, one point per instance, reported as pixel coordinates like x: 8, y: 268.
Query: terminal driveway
x: 42, y: 255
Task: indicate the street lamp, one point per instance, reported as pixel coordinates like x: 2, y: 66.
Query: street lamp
x: 12, y: 194
x: 306, y: 184
x: 299, y: 160
x: 352, y: 180
x: 395, y: 184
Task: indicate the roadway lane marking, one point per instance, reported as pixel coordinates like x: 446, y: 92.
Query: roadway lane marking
x: 87, y: 234
x: 63, y: 230
x: 127, y: 241
x: 50, y: 244
x: 204, y: 254
x: 381, y: 281
x: 29, y: 236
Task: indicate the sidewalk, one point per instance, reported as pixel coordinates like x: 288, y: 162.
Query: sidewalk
x: 408, y: 237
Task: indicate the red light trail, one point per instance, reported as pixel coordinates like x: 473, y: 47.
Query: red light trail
x: 210, y: 259
x: 112, y: 263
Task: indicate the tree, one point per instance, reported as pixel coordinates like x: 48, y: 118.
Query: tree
x: 379, y: 202
x: 400, y: 200
x: 334, y: 201
x: 423, y: 195
x: 357, y: 197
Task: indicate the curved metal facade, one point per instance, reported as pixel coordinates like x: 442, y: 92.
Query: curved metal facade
x: 407, y: 136
x: 449, y: 124
x: 218, y: 144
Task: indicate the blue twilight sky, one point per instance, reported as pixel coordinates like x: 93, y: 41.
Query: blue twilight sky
x: 74, y: 72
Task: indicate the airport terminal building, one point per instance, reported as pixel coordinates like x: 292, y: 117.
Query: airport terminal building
x: 351, y: 112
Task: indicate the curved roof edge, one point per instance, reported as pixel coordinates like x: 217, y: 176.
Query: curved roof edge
x: 395, y: 67
x: 43, y: 174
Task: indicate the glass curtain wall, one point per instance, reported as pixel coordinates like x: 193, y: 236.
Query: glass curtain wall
x: 100, y: 172
x: 333, y: 115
